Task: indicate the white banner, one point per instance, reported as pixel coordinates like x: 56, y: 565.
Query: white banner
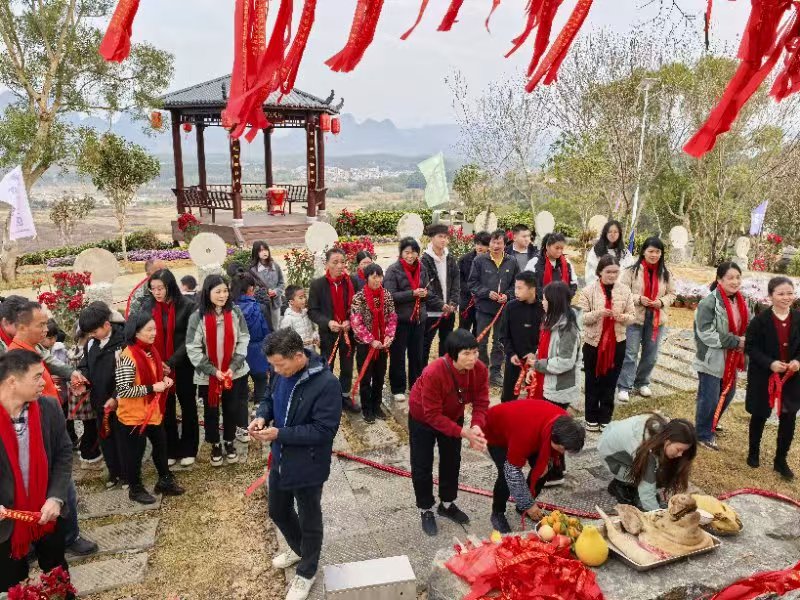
x: 12, y: 191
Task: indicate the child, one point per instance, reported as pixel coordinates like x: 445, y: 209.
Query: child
x: 296, y: 317
x: 374, y: 323
x: 645, y: 453
x: 519, y: 332
x: 189, y: 286
x: 220, y: 369
x: 243, y: 289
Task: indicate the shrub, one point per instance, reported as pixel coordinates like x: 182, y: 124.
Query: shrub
x: 299, y: 267
x: 375, y: 222
x: 793, y: 268
x: 354, y: 245
x: 67, y: 299
x: 239, y: 255
x: 138, y: 240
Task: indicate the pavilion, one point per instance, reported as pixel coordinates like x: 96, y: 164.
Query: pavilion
x: 200, y: 106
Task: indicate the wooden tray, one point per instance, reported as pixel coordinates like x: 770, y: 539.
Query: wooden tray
x: 667, y: 561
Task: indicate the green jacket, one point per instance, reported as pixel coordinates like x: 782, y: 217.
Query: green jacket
x: 711, y: 335
x: 196, y: 347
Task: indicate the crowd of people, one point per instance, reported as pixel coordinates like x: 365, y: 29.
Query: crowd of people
x: 507, y: 314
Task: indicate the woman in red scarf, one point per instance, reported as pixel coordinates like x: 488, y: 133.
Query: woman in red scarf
x: 142, y: 386
x: 773, y: 349
x: 363, y: 260
x: 607, y: 308
x: 170, y: 310
x: 653, y: 292
x: 719, y: 327
x: 216, y: 343
x: 374, y: 322
x: 408, y: 283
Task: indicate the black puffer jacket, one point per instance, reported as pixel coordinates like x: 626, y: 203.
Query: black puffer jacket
x: 396, y: 282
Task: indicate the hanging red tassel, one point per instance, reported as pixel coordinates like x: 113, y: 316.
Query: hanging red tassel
x: 788, y: 81
x: 707, y: 27
x: 116, y: 44
x: 450, y: 16
x: 760, y: 50
x: 422, y: 8
x: 362, y: 32
x: 533, y: 9
x: 547, y: 15
x: 558, y: 51
x: 768, y: 582
x: 288, y: 72
x: 495, y: 4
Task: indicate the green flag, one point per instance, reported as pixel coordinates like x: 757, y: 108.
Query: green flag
x: 432, y: 169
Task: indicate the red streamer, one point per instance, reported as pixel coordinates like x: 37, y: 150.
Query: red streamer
x: 288, y: 72
x: 761, y: 584
x: 422, y: 8
x: 105, y: 429
x: 373, y: 352
x: 486, y: 331
x: 23, y: 516
x: 362, y: 32
x: 470, y: 305
x: 775, y: 390
x: 415, y: 312
x: 451, y: 15
x: 334, y: 349
x: 116, y: 44
x: 728, y: 379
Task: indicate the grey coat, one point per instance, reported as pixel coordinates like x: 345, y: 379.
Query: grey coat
x: 711, y: 335
x: 272, y: 278
x: 562, y: 365
x: 196, y: 347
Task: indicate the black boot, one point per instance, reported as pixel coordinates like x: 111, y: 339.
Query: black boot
x: 168, y: 487
x: 782, y: 468
x: 623, y: 492
x: 753, y: 460
x: 755, y: 432
x: 137, y: 493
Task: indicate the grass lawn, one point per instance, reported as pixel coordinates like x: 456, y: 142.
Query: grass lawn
x: 726, y: 470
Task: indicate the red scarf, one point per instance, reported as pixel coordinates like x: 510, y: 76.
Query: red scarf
x: 361, y: 275
x: 215, y: 386
x: 541, y: 354
x: 734, y: 358
x: 7, y: 339
x: 38, y: 471
x: 164, y: 345
x: 133, y: 292
x: 50, y: 388
x: 548, y: 270
x: 341, y: 304
x: 150, y: 372
x: 650, y: 277
x: 607, y: 347
x: 413, y: 274
x: 375, y: 300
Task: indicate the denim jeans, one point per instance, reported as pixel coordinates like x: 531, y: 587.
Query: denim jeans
x: 708, y: 393
x: 640, y: 336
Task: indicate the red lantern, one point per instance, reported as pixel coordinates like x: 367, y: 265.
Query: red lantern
x: 336, y: 125
x: 325, y: 122
x: 156, y: 120
x: 187, y: 127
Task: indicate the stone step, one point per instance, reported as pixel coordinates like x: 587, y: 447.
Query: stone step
x: 102, y: 575
x: 676, y: 381
x: 110, y: 502
x: 131, y: 535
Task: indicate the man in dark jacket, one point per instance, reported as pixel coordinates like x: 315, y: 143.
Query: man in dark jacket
x: 466, y: 302
x: 331, y: 313
x: 519, y: 331
x: 35, y: 468
x: 445, y: 287
x: 303, y: 409
x: 98, y: 365
x: 492, y: 283
x: 521, y: 248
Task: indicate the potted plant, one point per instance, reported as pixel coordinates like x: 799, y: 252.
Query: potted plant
x: 189, y: 226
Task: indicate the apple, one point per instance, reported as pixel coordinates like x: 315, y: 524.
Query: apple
x: 546, y: 533
x: 562, y: 541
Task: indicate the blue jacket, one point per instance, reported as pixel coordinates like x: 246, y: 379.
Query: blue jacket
x: 306, y: 440
x: 259, y: 330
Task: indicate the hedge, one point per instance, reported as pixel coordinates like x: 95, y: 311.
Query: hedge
x: 384, y: 222
x: 146, y: 239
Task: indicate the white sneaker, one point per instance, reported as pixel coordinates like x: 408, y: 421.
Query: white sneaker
x: 645, y: 391
x: 399, y: 397
x: 187, y: 462
x: 171, y: 462
x: 285, y: 560
x: 300, y: 589
x: 623, y: 396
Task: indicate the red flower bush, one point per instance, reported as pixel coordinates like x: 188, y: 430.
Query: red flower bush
x: 67, y: 299
x: 352, y: 246
x: 460, y: 243
x: 346, y: 222
x: 53, y: 585
x: 186, y: 220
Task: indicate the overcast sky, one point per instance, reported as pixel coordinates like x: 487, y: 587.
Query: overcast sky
x: 402, y: 81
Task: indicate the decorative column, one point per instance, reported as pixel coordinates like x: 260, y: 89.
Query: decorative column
x: 268, y: 156
x: 311, y: 164
x: 320, y: 190
x: 201, y: 162
x: 177, y: 154
x: 236, y: 181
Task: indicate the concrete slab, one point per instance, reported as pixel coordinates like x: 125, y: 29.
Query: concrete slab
x: 118, y: 537
x: 110, y: 502
x: 102, y: 575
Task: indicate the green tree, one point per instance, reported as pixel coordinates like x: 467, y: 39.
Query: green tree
x: 117, y: 168
x: 68, y: 211
x: 49, y: 61
x: 470, y: 183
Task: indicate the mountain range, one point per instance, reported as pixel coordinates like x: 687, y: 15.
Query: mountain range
x: 368, y: 137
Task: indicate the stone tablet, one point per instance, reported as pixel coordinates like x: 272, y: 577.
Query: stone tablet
x: 596, y: 224
x: 679, y: 236
x: 742, y: 247
x: 484, y: 222
x: 207, y: 249
x: 101, y: 263
x: 321, y: 237
x: 410, y: 225
x: 545, y: 223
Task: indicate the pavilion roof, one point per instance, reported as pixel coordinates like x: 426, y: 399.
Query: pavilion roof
x: 214, y: 94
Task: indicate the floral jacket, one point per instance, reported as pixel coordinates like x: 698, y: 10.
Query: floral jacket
x: 361, y: 317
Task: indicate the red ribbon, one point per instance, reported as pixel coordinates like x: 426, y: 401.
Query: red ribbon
x: 486, y: 331
x: 24, y: 516
x: 336, y: 346
x: 81, y: 401
x: 450, y: 17
x: 728, y: 378
x: 116, y: 44
x: 761, y: 584
x: 373, y: 353
x: 470, y: 304
x: 415, y: 312
x: 105, y: 429
x: 362, y: 32
x: 775, y: 390
x: 523, y: 371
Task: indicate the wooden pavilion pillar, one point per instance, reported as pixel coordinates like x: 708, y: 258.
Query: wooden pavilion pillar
x: 177, y: 154
x: 201, y: 162
x: 311, y: 165
x: 236, y: 181
x: 319, y: 191
x: 268, y: 179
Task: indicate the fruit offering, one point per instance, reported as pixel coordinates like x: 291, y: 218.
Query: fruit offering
x: 591, y: 547
x: 560, y: 525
